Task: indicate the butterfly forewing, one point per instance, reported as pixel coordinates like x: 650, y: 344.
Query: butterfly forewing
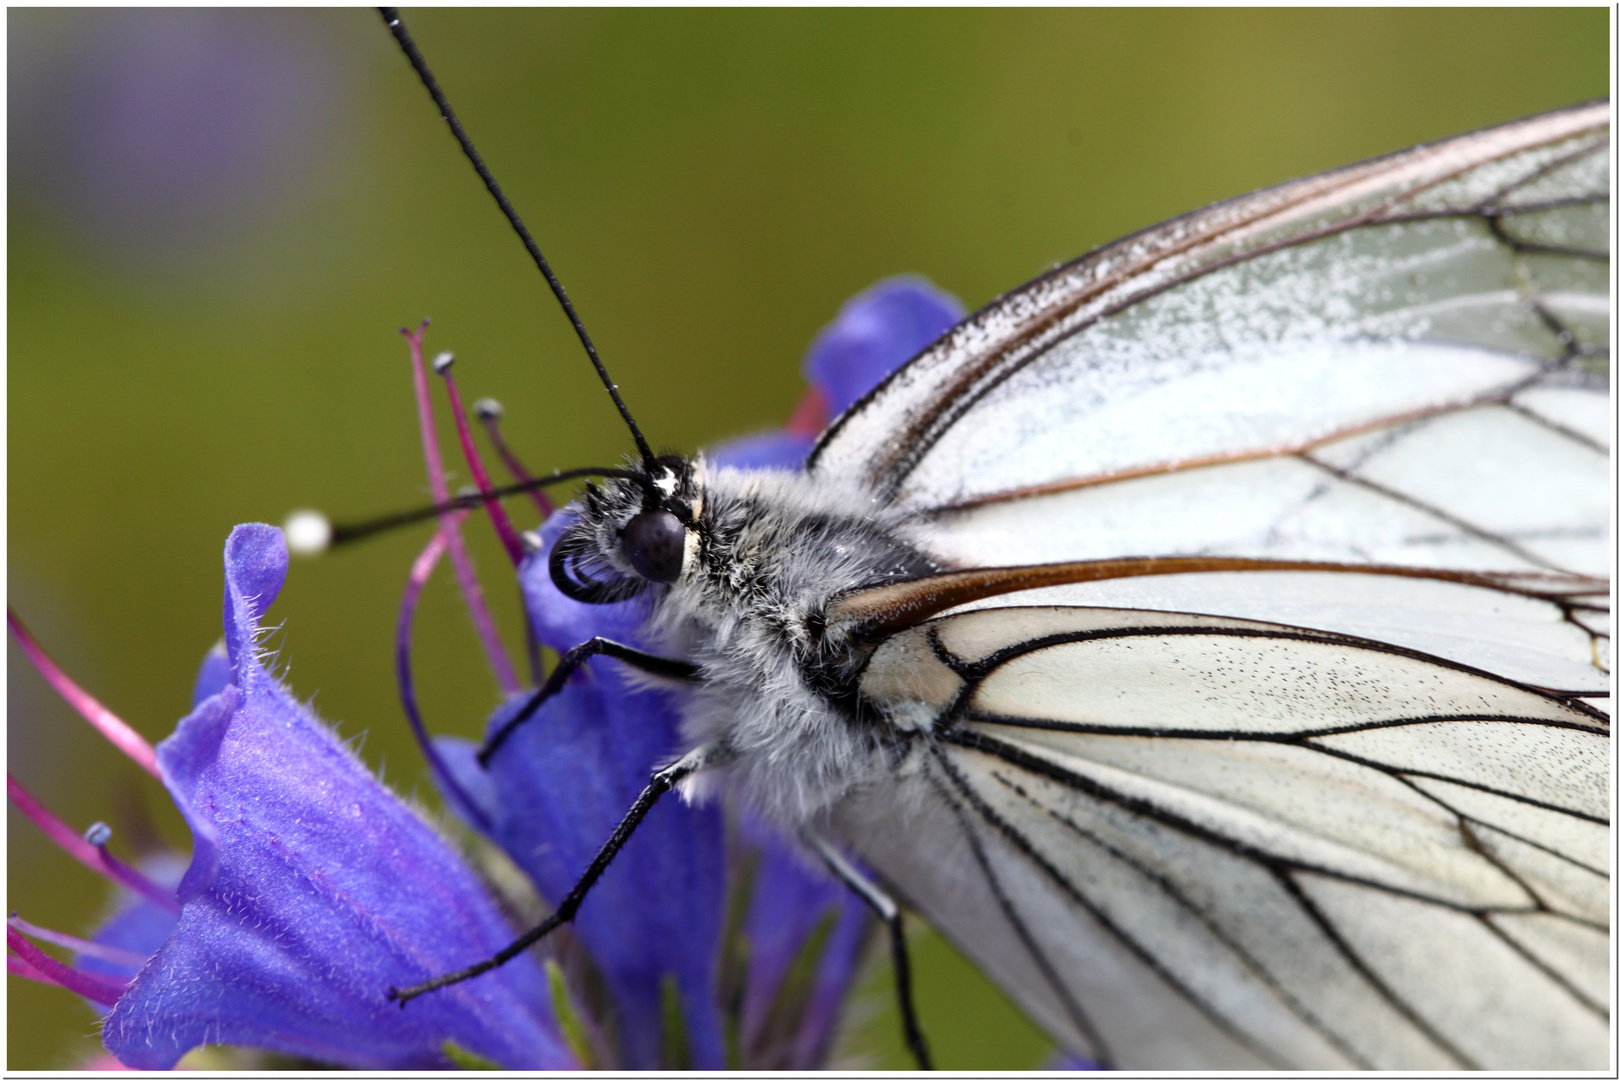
x: 1304, y: 818
x: 1376, y: 253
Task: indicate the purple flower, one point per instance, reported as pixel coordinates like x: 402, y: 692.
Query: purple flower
x: 874, y: 334
x: 312, y: 889
x: 562, y: 783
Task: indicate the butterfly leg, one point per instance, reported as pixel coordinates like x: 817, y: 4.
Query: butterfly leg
x: 662, y: 781
x: 888, y: 911
x: 596, y: 646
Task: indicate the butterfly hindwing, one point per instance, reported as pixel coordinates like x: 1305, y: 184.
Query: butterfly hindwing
x: 1246, y: 821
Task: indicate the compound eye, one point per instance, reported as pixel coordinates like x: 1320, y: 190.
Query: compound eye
x: 655, y: 544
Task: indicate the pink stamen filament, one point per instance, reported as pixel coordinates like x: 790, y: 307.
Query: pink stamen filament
x: 482, y: 620
x: 16, y: 965
x: 113, y: 955
x: 491, y: 425
x: 488, y: 410
x: 810, y: 416
x: 87, y: 984
x: 103, y: 719
x: 420, y: 571
x: 480, y: 475
x: 96, y: 858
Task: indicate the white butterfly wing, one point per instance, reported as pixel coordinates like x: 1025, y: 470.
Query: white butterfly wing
x: 1190, y: 842
x: 1268, y: 326
x: 1391, y: 850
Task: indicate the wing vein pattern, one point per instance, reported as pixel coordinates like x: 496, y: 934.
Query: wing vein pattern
x: 1254, y: 811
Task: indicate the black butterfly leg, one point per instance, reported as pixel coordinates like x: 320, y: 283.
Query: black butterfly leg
x: 888, y: 911
x: 662, y: 780
x: 596, y: 646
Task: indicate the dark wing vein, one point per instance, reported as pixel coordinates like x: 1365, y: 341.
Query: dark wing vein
x: 1543, y: 967
x: 1546, y: 170
x: 1059, y: 986
x: 1561, y: 429
x: 1186, y: 904
x: 1401, y: 773
x: 1467, y: 821
x: 1498, y: 539
x: 973, y: 673
x: 1070, y: 1004
x: 1241, y: 734
x: 1056, y: 297
x: 1013, y: 755
x: 1352, y: 957
x: 1281, y: 869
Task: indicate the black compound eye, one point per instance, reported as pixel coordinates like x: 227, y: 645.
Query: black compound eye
x: 655, y: 544
x: 571, y: 563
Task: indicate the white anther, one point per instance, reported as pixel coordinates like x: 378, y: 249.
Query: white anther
x: 308, y: 532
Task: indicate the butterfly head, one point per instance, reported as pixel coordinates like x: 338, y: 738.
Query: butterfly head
x: 639, y: 529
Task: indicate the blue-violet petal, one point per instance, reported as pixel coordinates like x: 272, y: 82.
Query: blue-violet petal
x: 312, y: 890
x: 875, y: 333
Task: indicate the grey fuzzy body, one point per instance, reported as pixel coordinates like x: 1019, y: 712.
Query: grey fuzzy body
x: 771, y: 552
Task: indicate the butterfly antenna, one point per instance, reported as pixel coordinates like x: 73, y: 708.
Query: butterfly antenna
x: 406, y: 43
x: 310, y: 532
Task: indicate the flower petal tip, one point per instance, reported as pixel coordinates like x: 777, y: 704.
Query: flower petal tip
x: 875, y: 333
x: 255, y: 569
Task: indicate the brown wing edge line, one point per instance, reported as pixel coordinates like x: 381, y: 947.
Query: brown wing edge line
x: 1498, y: 396
x: 869, y: 616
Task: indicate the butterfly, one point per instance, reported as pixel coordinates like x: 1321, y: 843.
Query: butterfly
x: 1209, y: 637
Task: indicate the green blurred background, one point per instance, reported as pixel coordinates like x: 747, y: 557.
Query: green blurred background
x: 219, y: 219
